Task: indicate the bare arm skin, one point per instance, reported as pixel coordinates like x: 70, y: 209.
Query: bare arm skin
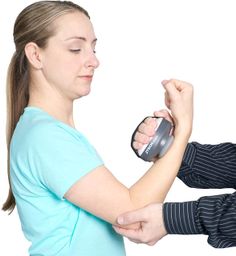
x: 101, y: 194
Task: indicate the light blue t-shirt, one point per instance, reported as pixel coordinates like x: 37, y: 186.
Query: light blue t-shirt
x: 46, y: 158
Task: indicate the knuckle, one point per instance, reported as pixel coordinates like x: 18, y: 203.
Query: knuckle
x: 141, y: 127
x: 149, y: 130
x: 136, y: 145
x: 136, y: 136
x: 141, y: 138
x: 147, y: 120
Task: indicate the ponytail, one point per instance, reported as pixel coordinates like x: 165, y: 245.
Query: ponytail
x: 17, y: 100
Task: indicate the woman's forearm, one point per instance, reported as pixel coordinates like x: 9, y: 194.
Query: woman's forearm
x: 156, y: 182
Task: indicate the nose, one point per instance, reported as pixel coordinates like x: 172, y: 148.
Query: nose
x: 92, y: 60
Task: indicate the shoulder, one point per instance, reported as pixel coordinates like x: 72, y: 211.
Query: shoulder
x: 39, y: 131
x: 41, y: 127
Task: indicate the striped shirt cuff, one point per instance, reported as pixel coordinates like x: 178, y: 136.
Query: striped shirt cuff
x: 179, y: 218
x: 189, y: 155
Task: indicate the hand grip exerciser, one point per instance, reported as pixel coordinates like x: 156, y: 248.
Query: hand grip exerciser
x: 159, y: 143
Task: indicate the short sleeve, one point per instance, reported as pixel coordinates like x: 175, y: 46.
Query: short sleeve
x: 61, y: 156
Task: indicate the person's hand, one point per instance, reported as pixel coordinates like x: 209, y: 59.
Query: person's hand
x: 152, y: 227
x: 146, y: 129
x: 179, y: 100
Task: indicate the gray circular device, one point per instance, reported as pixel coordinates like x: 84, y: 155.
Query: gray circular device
x: 159, y: 143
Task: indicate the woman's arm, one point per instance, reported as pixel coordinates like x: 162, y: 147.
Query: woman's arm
x: 100, y: 193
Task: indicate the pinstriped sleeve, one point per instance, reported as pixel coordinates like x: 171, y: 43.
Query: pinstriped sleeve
x: 206, y: 166
x: 209, y: 166
x: 214, y: 216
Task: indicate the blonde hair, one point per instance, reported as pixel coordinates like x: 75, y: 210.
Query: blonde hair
x: 33, y: 24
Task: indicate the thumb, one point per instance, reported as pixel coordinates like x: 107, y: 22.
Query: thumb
x: 131, y: 217
x: 172, y: 89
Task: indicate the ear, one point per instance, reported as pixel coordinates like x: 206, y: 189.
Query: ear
x: 32, y: 52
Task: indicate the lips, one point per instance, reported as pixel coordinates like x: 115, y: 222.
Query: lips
x: 86, y: 77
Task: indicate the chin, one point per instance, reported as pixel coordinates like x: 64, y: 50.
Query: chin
x: 86, y: 92
x: 82, y: 94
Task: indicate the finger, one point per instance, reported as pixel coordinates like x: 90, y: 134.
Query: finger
x: 141, y: 138
x: 152, y: 243
x: 167, y: 101
x: 164, y: 82
x: 150, y: 121
x: 160, y: 113
x: 171, y: 90
x: 129, y: 233
x: 137, y: 145
x: 165, y: 114
x: 148, y: 129
x: 181, y: 85
x: 135, y: 241
x: 147, y: 120
x: 177, y: 84
x: 132, y: 217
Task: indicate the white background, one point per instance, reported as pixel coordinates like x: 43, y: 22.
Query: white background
x: 139, y: 44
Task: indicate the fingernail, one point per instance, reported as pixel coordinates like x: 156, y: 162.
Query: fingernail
x: 164, y: 82
x: 120, y: 220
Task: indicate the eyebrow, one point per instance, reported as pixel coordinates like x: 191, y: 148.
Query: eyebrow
x: 81, y: 38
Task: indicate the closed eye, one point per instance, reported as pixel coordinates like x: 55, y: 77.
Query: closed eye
x: 75, y: 50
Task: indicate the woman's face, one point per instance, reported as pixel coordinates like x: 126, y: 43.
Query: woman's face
x: 69, y: 61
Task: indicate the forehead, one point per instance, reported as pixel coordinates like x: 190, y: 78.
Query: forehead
x: 74, y: 24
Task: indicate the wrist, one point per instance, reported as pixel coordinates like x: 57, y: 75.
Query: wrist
x: 163, y: 226
x: 183, y: 131
x: 182, y: 138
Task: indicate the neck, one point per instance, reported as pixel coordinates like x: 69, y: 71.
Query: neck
x: 59, y: 108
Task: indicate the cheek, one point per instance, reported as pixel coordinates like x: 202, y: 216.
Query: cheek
x: 61, y: 68
x: 69, y: 67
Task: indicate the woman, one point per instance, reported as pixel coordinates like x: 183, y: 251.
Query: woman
x: 65, y: 196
